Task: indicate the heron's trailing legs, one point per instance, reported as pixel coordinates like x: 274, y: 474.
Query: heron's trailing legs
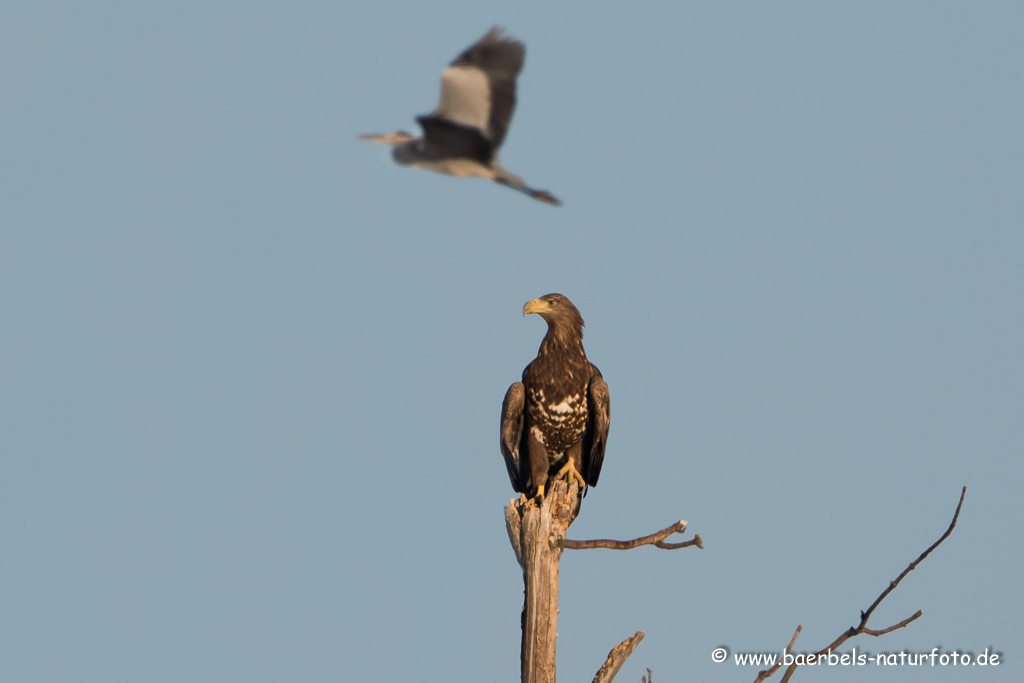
x: 515, y: 183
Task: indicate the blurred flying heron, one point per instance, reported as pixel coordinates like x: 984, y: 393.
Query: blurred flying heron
x: 462, y: 136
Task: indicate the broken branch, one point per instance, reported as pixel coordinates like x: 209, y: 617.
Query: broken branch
x: 656, y: 539
x: 617, y: 657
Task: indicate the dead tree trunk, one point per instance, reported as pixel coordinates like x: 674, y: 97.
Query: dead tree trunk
x: 536, y: 534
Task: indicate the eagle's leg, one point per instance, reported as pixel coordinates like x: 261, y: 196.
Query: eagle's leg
x: 537, y: 456
x: 573, y: 474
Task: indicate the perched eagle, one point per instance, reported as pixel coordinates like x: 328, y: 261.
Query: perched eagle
x: 556, y: 420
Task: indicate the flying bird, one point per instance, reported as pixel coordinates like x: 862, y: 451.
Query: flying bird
x: 462, y: 136
x: 556, y: 420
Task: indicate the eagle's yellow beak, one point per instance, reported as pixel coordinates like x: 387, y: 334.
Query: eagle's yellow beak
x: 536, y: 306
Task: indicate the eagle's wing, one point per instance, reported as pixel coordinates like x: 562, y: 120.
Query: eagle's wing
x: 596, y: 437
x: 512, y: 410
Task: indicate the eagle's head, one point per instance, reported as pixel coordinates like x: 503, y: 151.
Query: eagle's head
x: 565, y: 324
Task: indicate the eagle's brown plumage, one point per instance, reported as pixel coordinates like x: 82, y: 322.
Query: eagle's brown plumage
x: 557, y: 418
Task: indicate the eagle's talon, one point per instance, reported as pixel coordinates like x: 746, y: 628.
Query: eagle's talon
x: 539, y: 497
x: 572, y: 475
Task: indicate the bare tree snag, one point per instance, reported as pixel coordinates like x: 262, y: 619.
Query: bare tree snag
x: 862, y: 627
x: 537, y: 534
x: 617, y: 657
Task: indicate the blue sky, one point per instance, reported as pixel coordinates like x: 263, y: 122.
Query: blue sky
x: 251, y: 369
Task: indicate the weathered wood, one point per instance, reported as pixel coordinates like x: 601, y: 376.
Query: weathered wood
x: 617, y: 657
x: 514, y: 527
x: 539, y: 532
x: 656, y: 539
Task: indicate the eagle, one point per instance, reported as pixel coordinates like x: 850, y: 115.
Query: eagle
x: 556, y: 420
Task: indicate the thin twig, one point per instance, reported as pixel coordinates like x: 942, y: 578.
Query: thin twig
x: 866, y: 614
x: 696, y: 540
x: 789, y: 648
x: 872, y: 632
x: 655, y: 539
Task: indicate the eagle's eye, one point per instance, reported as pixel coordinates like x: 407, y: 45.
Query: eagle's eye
x: 551, y: 302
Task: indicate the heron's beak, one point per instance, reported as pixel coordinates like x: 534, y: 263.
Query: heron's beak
x: 396, y: 138
x: 536, y: 306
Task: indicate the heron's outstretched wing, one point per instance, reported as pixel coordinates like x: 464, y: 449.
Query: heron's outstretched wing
x: 596, y: 437
x: 512, y: 436
x: 444, y: 139
x: 478, y: 89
